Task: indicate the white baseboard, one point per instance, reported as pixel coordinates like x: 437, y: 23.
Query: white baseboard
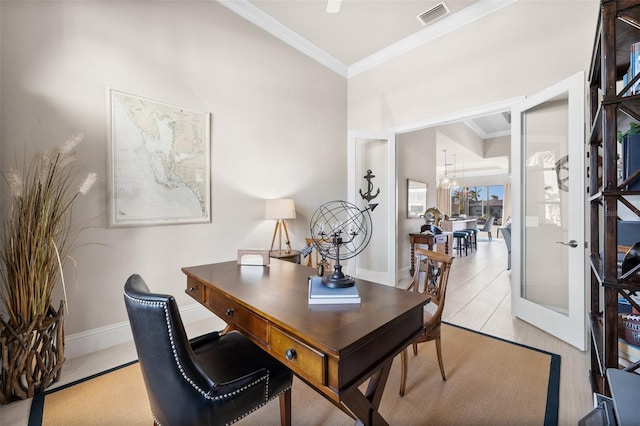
x: 89, y: 341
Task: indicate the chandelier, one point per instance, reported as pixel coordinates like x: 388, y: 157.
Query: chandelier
x: 445, y: 183
x: 454, y: 182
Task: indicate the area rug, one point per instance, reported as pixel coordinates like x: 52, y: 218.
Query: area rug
x: 490, y: 381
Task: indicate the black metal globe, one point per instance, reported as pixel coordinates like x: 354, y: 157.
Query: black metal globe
x: 340, y: 230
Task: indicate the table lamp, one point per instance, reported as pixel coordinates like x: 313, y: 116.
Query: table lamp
x: 280, y: 209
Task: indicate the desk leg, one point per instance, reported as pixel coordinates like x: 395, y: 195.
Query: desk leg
x: 365, y: 407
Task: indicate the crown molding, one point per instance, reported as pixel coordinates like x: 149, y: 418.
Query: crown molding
x: 258, y: 17
x: 432, y: 32
x: 261, y: 19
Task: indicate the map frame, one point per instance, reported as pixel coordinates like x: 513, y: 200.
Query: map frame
x: 117, y: 168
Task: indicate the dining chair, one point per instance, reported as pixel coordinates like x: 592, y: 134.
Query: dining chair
x: 506, y: 234
x: 212, y: 379
x: 430, y: 277
x: 488, y: 226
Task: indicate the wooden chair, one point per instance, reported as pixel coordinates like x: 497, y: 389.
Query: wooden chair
x: 431, y: 277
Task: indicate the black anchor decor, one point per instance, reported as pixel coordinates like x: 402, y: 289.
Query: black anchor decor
x: 368, y: 195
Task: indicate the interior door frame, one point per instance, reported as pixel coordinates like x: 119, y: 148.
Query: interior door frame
x: 390, y: 135
x: 571, y: 328
x: 513, y: 105
x: 354, y: 182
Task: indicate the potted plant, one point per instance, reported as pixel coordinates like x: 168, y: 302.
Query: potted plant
x: 36, y: 238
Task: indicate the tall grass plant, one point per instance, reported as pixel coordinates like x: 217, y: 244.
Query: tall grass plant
x: 38, y: 230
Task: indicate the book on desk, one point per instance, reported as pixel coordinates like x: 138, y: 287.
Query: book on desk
x: 319, y: 294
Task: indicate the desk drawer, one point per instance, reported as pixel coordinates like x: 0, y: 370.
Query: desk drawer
x: 298, y: 356
x: 237, y: 315
x: 195, y: 289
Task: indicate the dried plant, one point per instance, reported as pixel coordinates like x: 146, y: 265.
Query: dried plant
x: 38, y: 230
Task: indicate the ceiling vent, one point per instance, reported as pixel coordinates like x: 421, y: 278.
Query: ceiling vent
x: 436, y: 12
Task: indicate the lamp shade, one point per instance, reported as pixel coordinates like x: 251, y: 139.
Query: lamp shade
x: 282, y: 208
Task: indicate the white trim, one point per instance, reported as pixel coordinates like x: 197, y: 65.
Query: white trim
x: 444, y: 26
x: 484, y: 135
x: 432, y: 32
x: 571, y: 328
x: 97, y: 339
x: 390, y: 276
x: 261, y: 19
x: 457, y: 116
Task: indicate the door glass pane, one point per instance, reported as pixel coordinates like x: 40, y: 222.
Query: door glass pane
x: 545, y: 135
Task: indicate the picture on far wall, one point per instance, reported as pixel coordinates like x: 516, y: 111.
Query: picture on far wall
x: 416, y: 198
x: 159, y: 171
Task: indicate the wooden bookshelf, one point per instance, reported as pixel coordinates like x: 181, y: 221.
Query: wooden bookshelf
x: 612, y: 108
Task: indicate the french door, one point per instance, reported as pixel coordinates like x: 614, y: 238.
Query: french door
x: 548, y: 234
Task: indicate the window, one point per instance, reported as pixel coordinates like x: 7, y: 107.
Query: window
x: 478, y: 201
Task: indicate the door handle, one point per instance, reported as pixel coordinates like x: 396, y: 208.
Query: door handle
x: 572, y: 243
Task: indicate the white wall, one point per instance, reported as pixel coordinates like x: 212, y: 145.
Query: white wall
x: 416, y: 159
x: 516, y: 51
x: 278, y: 128
x: 279, y: 118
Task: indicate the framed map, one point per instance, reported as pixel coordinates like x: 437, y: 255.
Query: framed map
x: 159, y: 171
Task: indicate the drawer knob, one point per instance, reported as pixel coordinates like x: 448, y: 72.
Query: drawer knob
x: 192, y: 289
x: 290, y: 354
x: 229, y: 312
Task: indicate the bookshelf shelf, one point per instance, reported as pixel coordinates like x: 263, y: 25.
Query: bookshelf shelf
x: 613, y: 107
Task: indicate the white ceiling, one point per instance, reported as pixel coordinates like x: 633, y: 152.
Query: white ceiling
x: 361, y: 27
x: 365, y: 33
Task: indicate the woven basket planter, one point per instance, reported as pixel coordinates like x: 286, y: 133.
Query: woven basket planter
x: 32, y: 355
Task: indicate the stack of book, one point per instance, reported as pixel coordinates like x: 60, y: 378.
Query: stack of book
x: 629, y: 339
x: 322, y: 295
x: 624, y: 307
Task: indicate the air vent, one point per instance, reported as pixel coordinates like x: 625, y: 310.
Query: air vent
x: 436, y: 12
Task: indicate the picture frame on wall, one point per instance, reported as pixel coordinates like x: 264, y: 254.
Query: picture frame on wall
x: 416, y: 198
x: 159, y: 162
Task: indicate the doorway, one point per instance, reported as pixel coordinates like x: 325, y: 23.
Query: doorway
x: 455, y: 134
x: 569, y: 326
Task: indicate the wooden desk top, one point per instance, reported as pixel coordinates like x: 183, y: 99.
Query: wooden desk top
x: 279, y: 293
x: 333, y: 348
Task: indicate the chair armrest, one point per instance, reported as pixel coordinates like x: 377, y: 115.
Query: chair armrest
x: 196, y: 342
x: 258, y: 381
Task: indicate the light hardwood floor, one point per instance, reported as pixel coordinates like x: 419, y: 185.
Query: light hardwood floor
x: 478, y: 298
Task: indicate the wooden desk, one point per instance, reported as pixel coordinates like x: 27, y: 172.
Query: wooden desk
x: 333, y: 348
x: 429, y: 240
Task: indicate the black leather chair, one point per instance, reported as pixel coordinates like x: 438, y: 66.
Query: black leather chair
x: 210, y: 380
